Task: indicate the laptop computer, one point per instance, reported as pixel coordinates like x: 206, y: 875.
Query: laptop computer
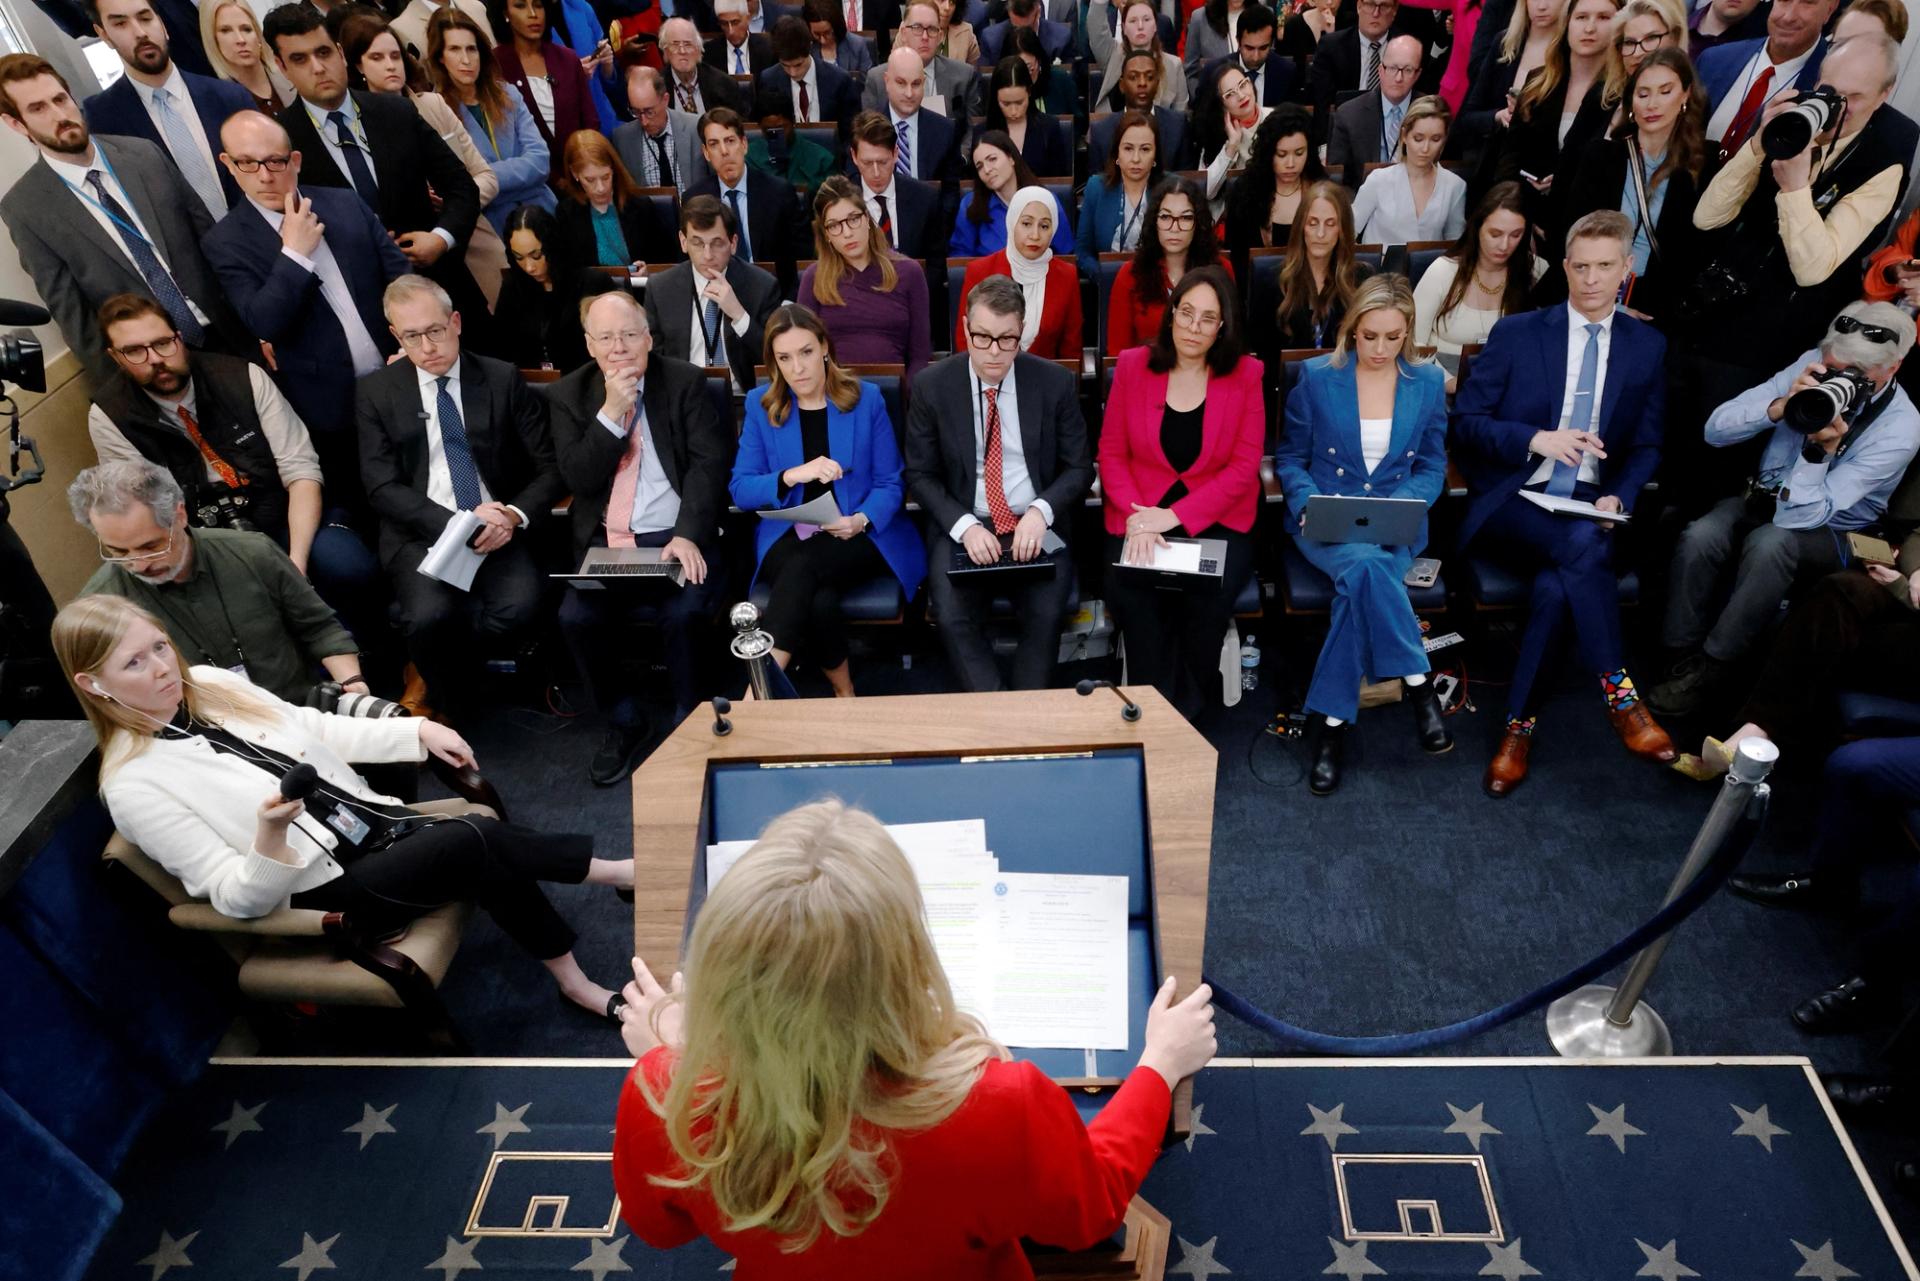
x: 1007, y: 569
x: 603, y: 565
x: 1386, y: 522
x: 1185, y: 564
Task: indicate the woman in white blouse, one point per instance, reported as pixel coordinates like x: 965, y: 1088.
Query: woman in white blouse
x: 1489, y: 273
x: 1415, y: 198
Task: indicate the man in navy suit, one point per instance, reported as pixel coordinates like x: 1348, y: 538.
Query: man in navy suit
x: 767, y: 208
x: 1055, y: 37
x: 1564, y: 402
x: 736, y: 50
x: 306, y: 270
x: 809, y: 89
x: 1742, y: 76
x: 928, y: 142
x: 907, y: 211
x: 176, y: 110
x: 1273, y: 78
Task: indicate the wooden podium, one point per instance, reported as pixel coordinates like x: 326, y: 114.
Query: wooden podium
x: 670, y: 807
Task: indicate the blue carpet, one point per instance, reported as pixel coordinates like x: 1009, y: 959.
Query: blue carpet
x: 1590, y: 1171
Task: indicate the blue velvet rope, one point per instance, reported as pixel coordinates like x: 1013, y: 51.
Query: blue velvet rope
x: 1731, y: 851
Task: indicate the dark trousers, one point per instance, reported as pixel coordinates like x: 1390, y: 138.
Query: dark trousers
x: 1169, y: 631
x: 595, y: 625
x: 1848, y: 628
x: 496, y: 864
x: 439, y: 622
x: 804, y: 579
x: 1867, y: 787
x: 1571, y: 561
x: 1764, y: 562
x: 964, y: 606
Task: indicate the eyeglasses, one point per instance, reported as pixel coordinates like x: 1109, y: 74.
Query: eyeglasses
x: 679, y: 46
x: 626, y: 337
x: 272, y: 164
x: 1872, y: 333
x: 840, y: 226
x: 917, y: 29
x: 1398, y: 69
x: 135, y: 558
x: 435, y: 334
x: 996, y: 342
x: 1170, y: 219
x: 1200, y: 324
x: 137, y: 353
x: 1645, y: 44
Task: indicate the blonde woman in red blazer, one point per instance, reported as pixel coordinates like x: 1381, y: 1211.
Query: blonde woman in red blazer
x: 1180, y: 457
x: 1051, y: 283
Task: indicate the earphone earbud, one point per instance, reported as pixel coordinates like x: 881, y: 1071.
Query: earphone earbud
x: 97, y: 692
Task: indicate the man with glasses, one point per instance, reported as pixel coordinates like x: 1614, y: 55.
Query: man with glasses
x: 228, y: 598
x: 307, y: 269
x: 948, y: 87
x: 646, y: 456
x: 447, y: 431
x: 694, y: 86
x: 712, y: 309
x: 1349, y: 60
x: 1367, y: 129
x: 997, y: 455
x: 1734, y: 566
x: 660, y: 146
x: 1273, y: 78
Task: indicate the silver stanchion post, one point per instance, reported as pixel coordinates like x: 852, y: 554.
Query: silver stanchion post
x: 752, y: 646
x: 1603, y: 1022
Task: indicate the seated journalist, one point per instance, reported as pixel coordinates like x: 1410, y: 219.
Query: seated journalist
x: 191, y: 760
x: 921, y: 1149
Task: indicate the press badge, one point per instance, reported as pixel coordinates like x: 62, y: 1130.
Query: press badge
x: 351, y: 826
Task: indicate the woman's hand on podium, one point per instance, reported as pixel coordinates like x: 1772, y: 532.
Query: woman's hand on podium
x: 1180, y: 1037
x: 653, y: 1015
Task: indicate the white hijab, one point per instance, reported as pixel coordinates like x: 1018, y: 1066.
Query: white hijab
x: 1030, y: 273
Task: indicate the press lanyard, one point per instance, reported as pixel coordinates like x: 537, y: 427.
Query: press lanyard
x: 80, y: 191
x: 239, y: 653
x: 1130, y: 225
x: 486, y: 122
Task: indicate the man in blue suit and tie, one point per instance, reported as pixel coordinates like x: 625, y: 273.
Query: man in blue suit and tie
x: 1742, y: 76
x: 1565, y: 402
x: 177, y: 111
x: 810, y: 89
x: 306, y: 270
x: 1055, y: 37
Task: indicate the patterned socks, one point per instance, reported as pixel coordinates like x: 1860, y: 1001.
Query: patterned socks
x: 1617, y: 688
x: 1522, y: 725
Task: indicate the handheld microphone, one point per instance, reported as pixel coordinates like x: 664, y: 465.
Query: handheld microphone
x: 14, y: 312
x: 298, y: 783
x: 1129, y: 710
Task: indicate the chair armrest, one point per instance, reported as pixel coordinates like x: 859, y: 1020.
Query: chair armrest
x: 286, y: 922
x: 469, y: 786
x: 1456, y: 483
x: 1269, y: 480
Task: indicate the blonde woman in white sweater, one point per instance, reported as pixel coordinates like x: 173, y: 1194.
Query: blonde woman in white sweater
x: 191, y: 762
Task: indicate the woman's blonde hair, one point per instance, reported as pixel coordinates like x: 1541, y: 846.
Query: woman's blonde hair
x: 1558, y: 67
x: 1429, y: 107
x: 85, y: 634
x: 818, y: 1019
x: 829, y: 266
x: 1670, y: 16
x: 1518, y: 26
x: 843, y: 389
x: 1387, y: 291
x: 209, y: 20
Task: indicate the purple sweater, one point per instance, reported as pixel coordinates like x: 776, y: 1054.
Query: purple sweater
x: 874, y: 328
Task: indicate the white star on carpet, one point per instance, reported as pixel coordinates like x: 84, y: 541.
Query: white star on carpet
x: 1662, y: 1263
x: 506, y: 1123
x: 1469, y: 1123
x: 1756, y: 1125
x: 1613, y: 1125
x: 371, y: 1123
x: 455, y: 1259
x: 312, y: 1257
x: 1199, y: 1126
x: 1505, y: 1262
x: 168, y: 1254
x: 603, y: 1257
x: 1351, y: 1261
x: 1821, y: 1263
x: 243, y: 1121
x: 1329, y: 1126
x: 1197, y: 1261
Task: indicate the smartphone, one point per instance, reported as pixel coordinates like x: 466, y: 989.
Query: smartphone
x: 1869, y: 550
x: 1424, y: 572
x: 1530, y: 177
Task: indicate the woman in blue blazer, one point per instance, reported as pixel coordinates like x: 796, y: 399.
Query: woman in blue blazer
x: 1113, y: 210
x: 1367, y: 422
x: 815, y: 429
x: 497, y: 119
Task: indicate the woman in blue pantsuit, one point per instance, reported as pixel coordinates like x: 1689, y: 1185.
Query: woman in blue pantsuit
x: 1366, y: 421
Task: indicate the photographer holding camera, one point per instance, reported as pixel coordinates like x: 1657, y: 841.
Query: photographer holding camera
x: 1840, y: 434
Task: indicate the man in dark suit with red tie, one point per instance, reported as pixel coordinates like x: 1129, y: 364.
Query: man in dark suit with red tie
x: 907, y: 210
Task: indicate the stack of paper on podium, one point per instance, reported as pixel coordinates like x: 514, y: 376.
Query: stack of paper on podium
x: 1040, y: 959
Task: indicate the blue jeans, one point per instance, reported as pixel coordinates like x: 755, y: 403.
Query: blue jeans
x: 1371, y: 630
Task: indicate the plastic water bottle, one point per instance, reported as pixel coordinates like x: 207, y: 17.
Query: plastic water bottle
x: 1249, y: 663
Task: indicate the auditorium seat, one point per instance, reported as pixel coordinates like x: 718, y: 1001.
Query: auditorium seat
x: 720, y: 391
x: 1867, y: 715
x: 878, y: 600
x: 1110, y: 264
x: 1491, y: 585
x: 956, y: 286
x: 666, y: 207
x: 1421, y: 254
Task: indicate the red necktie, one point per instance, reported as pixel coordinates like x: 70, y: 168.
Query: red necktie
x: 997, y: 508
x: 806, y: 108
x: 626, y: 484
x: 1749, y: 114
x: 221, y: 467
x: 853, y: 16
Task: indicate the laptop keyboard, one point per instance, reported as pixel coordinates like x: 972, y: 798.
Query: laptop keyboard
x: 657, y: 569
x: 1210, y: 565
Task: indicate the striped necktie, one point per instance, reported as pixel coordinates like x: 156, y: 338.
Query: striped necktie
x: 166, y: 291
x: 186, y: 154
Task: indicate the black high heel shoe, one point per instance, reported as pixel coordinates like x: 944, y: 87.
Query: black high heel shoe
x: 1429, y: 722
x: 1327, y: 746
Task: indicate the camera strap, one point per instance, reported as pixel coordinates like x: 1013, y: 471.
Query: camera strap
x: 1858, y: 427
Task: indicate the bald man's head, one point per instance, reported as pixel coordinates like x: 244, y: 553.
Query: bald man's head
x: 906, y: 81
x: 258, y: 153
x: 1400, y: 67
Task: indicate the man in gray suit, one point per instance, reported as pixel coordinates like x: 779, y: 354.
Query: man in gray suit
x: 955, y: 84
x: 1367, y: 128
x: 97, y: 217
x: 660, y: 146
x: 735, y: 298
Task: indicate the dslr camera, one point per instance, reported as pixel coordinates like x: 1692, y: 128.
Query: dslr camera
x: 327, y: 696
x: 223, y: 509
x: 1840, y: 393
x: 1793, y: 130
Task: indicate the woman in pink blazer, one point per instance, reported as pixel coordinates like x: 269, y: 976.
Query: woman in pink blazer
x: 1180, y: 457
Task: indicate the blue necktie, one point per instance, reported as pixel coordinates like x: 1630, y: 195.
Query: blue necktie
x: 739, y: 61
x: 1560, y: 484
x: 166, y: 291
x: 359, y: 173
x: 453, y: 444
x: 903, y: 154
x: 740, y: 221
x: 186, y: 154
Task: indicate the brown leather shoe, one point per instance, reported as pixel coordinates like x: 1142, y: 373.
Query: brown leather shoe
x: 1508, y: 768
x: 414, y: 696
x: 1641, y: 735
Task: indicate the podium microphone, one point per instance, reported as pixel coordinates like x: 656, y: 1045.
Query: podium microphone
x: 1129, y: 710
x: 721, y: 725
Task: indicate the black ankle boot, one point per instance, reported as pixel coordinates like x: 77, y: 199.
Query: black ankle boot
x: 1429, y: 722
x: 1323, y: 774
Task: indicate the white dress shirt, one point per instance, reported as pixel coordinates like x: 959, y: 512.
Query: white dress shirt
x: 181, y: 103
x: 812, y: 81
x: 655, y: 504
x: 1014, y: 477
x: 697, y: 352
x: 1376, y: 434
x: 75, y: 176
x: 1576, y: 352
x: 439, y: 479
x: 1784, y: 74
x: 892, y: 196
x: 333, y: 288
x: 293, y: 453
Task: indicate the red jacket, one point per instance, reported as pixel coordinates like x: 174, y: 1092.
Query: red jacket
x: 1060, y: 336
x: 1131, y: 322
x: 1223, y: 485
x: 1880, y: 285
x: 1013, y: 1161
